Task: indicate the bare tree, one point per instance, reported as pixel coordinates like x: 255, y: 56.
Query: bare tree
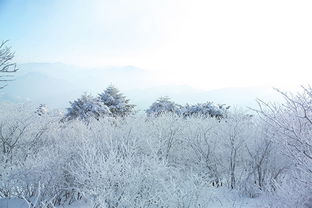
x: 292, y: 123
x: 203, y: 146
x: 7, y: 67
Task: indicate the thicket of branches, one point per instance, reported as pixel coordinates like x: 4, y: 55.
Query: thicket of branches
x: 7, y: 66
x: 164, y: 161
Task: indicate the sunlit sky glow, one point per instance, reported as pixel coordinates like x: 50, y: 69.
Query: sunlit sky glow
x: 202, y: 43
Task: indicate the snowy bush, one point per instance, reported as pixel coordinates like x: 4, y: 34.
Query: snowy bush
x: 42, y: 109
x: 110, y: 103
x: 87, y: 108
x: 164, y: 105
x: 22, y: 138
x: 205, y: 110
x: 291, y: 125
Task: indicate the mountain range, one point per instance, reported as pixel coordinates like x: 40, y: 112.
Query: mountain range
x: 55, y: 84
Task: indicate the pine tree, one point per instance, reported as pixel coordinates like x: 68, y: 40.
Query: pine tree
x: 116, y: 102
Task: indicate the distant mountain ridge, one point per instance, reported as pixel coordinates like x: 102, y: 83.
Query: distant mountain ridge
x: 56, y: 84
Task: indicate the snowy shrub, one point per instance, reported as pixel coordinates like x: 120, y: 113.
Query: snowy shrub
x: 21, y: 138
x: 162, y: 106
x: 42, y: 109
x: 87, y: 108
x: 110, y: 103
x: 201, y: 145
x: 126, y: 170
x: 205, y: 110
x: 291, y: 125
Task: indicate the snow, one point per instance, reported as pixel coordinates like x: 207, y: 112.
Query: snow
x: 13, y: 203
x: 215, y: 197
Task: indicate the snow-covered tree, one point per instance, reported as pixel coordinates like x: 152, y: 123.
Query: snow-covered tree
x: 291, y: 125
x: 205, y: 110
x: 86, y: 108
x: 164, y: 105
x: 7, y: 67
x: 116, y: 102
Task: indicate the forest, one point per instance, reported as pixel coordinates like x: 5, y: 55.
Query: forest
x: 101, y: 152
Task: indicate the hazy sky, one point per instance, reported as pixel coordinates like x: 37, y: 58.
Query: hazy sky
x: 202, y: 43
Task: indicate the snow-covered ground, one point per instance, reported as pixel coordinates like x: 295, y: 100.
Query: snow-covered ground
x: 20, y: 203
x: 13, y: 203
x: 216, y: 197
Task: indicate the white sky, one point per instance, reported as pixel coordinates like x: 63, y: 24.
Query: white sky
x: 202, y: 43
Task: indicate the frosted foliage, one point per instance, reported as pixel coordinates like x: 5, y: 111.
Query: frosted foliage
x: 87, y: 108
x: 7, y: 66
x: 110, y: 103
x: 117, y: 103
x: 164, y: 105
x: 42, y: 109
x: 291, y: 125
x: 206, y: 110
